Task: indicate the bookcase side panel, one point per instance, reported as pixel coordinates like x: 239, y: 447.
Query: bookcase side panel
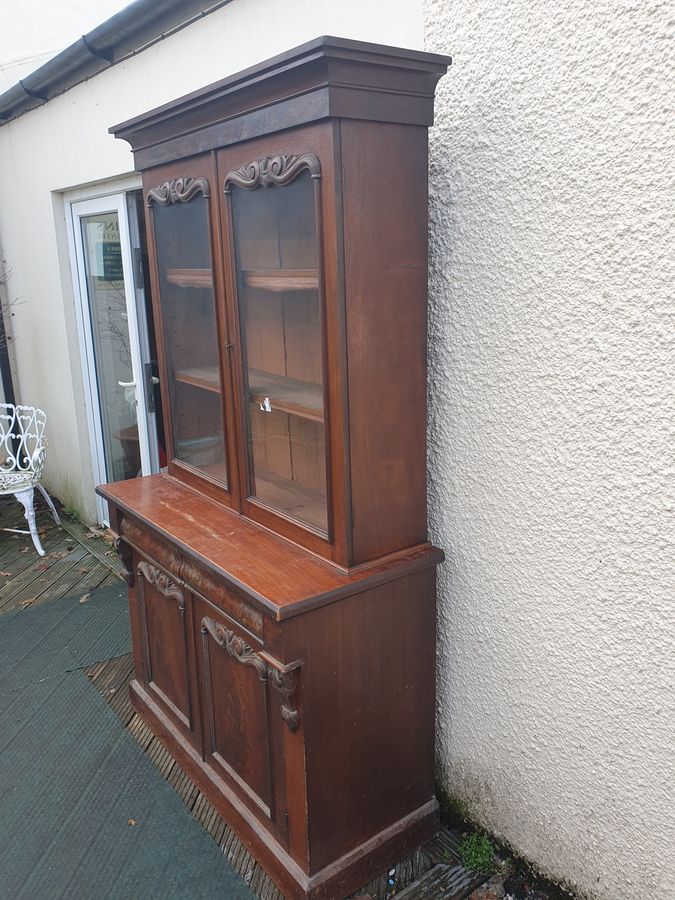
x: 384, y: 183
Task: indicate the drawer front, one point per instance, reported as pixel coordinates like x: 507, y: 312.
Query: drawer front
x: 163, y: 610
x: 186, y: 570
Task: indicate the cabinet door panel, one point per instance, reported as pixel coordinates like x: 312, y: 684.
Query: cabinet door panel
x: 282, y: 248
x: 189, y: 316
x: 239, y: 738
x: 273, y: 210
x: 189, y: 326
x: 163, y: 612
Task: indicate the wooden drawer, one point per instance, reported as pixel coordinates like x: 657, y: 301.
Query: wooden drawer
x: 186, y: 570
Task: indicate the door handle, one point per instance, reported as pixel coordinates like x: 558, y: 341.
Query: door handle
x: 153, y: 380
x: 150, y: 382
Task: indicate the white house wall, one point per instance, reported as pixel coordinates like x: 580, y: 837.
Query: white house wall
x: 551, y: 441
x: 35, y: 31
x: 66, y: 143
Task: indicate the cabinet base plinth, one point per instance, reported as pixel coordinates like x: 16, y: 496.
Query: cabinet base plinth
x: 333, y: 882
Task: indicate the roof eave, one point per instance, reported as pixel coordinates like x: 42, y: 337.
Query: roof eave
x: 129, y: 31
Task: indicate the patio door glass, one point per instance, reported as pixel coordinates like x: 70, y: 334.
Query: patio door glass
x: 115, y: 341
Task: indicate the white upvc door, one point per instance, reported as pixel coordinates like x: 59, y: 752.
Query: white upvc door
x: 114, y: 343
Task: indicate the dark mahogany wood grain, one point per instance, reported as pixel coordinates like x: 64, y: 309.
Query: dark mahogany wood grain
x: 200, y: 167
x: 384, y: 199
x: 368, y: 697
x: 164, y: 619
x: 325, y: 77
x: 289, y: 664
x: 324, y: 805
x: 277, y: 576
x: 236, y: 734
x: 317, y: 140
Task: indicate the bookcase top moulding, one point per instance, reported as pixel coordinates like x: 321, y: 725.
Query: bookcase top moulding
x: 327, y: 77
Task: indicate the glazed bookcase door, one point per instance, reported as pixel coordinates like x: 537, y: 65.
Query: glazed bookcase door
x: 273, y: 214
x: 191, y: 326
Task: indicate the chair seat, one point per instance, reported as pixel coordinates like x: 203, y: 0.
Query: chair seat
x: 16, y: 481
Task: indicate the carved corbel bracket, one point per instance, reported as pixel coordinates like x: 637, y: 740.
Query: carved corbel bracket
x: 123, y: 550
x: 162, y: 583
x: 283, y: 678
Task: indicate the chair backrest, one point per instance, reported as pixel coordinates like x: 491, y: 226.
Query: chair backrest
x: 22, y: 439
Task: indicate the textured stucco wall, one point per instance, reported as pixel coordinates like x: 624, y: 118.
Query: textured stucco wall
x: 65, y: 144
x: 551, y: 448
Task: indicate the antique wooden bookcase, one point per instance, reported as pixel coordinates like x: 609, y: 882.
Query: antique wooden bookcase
x: 282, y: 589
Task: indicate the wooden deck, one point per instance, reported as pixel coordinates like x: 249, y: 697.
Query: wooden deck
x: 79, y: 560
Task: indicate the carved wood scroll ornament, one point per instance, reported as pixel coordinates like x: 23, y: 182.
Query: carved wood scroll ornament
x: 162, y: 583
x: 178, y: 190
x: 235, y: 646
x: 271, y: 170
x: 284, y: 681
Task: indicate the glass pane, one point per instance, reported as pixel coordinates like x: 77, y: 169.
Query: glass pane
x: 190, y: 335
x: 280, y: 314
x: 112, y: 348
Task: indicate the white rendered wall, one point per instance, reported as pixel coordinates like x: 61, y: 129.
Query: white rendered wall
x: 66, y: 143
x: 34, y: 31
x: 551, y: 440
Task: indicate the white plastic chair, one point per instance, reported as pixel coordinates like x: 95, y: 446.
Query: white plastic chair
x: 22, y: 458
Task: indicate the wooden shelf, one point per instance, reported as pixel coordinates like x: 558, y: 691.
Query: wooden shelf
x: 292, y: 498
x: 299, y: 398
x: 199, y: 278
x: 200, y: 452
x: 279, y: 280
x: 205, y: 377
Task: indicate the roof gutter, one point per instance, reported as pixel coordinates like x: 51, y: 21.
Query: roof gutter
x: 133, y: 29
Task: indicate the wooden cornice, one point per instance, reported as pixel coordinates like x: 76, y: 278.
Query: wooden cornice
x: 327, y: 77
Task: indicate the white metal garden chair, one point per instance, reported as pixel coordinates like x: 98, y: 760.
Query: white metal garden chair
x: 22, y: 458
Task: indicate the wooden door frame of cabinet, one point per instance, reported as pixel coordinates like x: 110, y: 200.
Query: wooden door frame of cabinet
x: 165, y: 585
x: 318, y: 139
x: 308, y: 162
x: 202, y: 166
